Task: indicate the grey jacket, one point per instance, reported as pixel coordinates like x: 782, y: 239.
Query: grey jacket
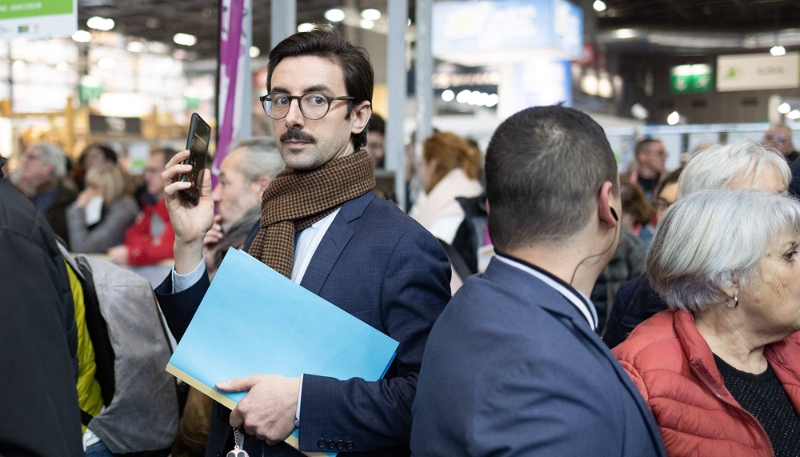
x: 107, y: 233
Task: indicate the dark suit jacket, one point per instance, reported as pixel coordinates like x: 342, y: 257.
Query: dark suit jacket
x: 512, y: 368
x: 379, y: 265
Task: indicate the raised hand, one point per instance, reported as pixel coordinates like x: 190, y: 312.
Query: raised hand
x: 190, y: 222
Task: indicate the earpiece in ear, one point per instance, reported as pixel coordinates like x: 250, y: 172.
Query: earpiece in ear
x: 614, y: 213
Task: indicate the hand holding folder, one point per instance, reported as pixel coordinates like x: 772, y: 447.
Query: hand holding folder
x: 254, y: 320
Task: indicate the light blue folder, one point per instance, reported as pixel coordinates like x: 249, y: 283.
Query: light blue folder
x: 253, y: 320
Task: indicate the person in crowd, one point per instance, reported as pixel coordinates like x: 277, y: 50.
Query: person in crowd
x: 375, y: 139
x: 38, y: 334
x: 651, y: 156
x: 637, y: 212
x: 323, y: 227
x: 92, y: 156
x: 244, y: 175
x: 665, y: 195
x: 449, y: 169
x: 103, y: 212
x: 748, y: 166
x: 149, y: 240
x: 513, y: 366
x: 43, y: 179
x: 779, y: 137
x: 721, y: 369
x: 629, y: 258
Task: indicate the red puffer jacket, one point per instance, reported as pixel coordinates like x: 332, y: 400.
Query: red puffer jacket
x: 674, y: 369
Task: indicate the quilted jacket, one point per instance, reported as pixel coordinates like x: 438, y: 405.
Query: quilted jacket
x: 674, y: 369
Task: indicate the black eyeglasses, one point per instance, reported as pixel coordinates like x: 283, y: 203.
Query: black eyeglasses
x: 312, y: 106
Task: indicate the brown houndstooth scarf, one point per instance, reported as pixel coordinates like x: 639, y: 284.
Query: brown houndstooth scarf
x: 295, y: 200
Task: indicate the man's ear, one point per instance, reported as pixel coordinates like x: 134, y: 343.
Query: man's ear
x: 605, y: 210
x: 362, y: 114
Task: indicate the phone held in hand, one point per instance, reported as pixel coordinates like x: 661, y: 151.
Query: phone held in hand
x: 197, y: 144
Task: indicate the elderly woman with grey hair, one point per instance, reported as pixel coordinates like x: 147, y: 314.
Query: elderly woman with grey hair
x: 720, y: 370
x: 741, y: 165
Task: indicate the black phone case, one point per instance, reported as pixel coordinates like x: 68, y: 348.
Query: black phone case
x: 198, y: 151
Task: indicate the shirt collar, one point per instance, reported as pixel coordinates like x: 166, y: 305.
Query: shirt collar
x: 574, y: 296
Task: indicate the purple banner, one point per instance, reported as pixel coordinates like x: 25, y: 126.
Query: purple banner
x: 230, y: 52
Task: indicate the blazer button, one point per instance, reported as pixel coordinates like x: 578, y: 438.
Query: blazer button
x: 340, y: 445
x: 350, y: 445
x: 331, y: 445
x: 321, y: 443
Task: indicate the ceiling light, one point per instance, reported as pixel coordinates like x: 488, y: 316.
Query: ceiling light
x: 62, y: 66
x: 305, y: 27
x: 18, y: 65
x: 254, y: 52
x: 448, y: 95
x: 371, y: 13
x: 100, y: 23
x: 106, y: 63
x: 777, y: 51
x: 82, y: 36
x: 334, y: 15
x: 492, y: 100
x: 367, y: 24
x: 135, y: 46
x: 794, y: 114
x: 599, y: 5
x: 784, y: 108
x: 463, y: 96
x: 673, y: 118
x: 184, y: 39
x: 625, y: 33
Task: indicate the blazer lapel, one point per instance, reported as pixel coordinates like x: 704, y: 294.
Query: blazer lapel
x: 328, y: 251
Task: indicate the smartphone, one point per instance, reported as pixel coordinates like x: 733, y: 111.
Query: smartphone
x: 197, y: 144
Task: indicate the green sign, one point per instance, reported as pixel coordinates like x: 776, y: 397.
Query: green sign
x: 10, y: 9
x: 691, y: 79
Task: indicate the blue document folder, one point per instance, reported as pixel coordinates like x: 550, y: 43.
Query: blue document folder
x: 253, y: 320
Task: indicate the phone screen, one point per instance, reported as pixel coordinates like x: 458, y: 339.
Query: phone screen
x: 199, y: 136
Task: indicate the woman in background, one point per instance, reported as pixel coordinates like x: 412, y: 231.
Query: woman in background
x: 98, y: 219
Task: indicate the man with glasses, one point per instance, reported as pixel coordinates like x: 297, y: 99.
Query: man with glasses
x: 322, y: 226
x: 651, y: 156
x: 779, y: 137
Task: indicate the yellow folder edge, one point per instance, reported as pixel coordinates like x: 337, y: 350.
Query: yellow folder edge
x: 227, y: 402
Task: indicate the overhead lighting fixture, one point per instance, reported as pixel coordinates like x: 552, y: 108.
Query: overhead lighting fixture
x: 106, y: 63
x: 599, y: 5
x: 673, y: 118
x: 794, y: 115
x: 82, y: 36
x: 305, y: 27
x: 448, y: 95
x: 254, y: 52
x: 777, y: 51
x: 135, y: 46
x: 367, y: 24
x: 184, y: 39
x: 492, y: 100
x: 18, y: 65
x: 62, y: 66
x: 625, y: 33
x: 784, y: 108
x: 334, y: 15
x: 100, y: 23
x: 371, y: 13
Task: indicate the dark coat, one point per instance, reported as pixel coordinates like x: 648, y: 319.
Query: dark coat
x: 634, y: 303
x: 512, y: 368
x: 38, y: 336
x: 56, y: 214
x: 381, y: 266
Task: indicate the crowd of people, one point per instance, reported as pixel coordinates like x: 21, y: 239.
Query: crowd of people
x: 543, y: 304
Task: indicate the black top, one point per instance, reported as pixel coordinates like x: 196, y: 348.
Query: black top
x: 763, y: 396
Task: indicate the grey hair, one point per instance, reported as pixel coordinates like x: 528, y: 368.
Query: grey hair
x: 717, y: 166
x: 260, y: 157
x: 52, y: 154
x: 713, y: 239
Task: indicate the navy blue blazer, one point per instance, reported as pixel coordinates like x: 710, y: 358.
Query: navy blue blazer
x: 513, y: 368
x: 381, y: 266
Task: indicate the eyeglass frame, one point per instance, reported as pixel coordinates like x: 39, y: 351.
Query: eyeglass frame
x: 330, y: 100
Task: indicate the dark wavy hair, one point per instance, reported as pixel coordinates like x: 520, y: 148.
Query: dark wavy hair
x: 325, y: 41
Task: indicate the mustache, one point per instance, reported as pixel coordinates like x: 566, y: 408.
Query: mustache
x: 296, y: 134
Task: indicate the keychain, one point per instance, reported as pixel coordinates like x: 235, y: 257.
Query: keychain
x: 237, y: 451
